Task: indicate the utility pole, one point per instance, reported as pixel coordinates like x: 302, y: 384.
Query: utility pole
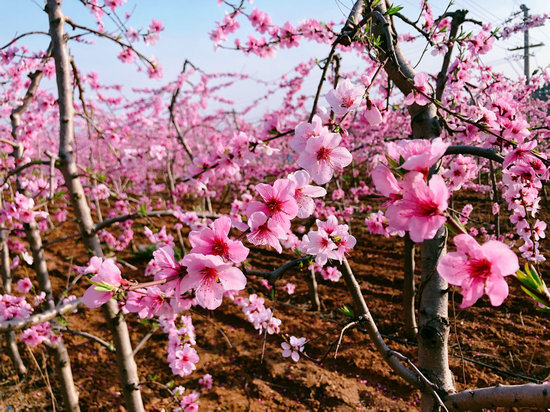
x: 526, y: 45
x: 526, y: 70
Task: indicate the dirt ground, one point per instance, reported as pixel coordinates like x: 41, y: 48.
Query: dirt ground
x: 488, y: 345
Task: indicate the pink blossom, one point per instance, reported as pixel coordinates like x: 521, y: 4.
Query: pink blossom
x: 206, y: 382
x: 289, y: 288
x: 345, y: 97
x: 305, y: 192
x: 127, y: 55
x: 113, y: 4
x: 210, y: 276
x: 305, y: 131
x: 422, y: 209
x: 479, y: 269
x: 24, y: 285
x: 164, y: 259
x: 419, y: 154
x: 215, y: 241
x: 264, y: 231
x: 278, y: 203
x: 184, y: 361
x: 106, y: 282
x: 420, y: 85
x: 323, y: 155
x: 293, y: 348
x: 189, y: 403
x: 372, y: 114
x: 386, y: 183
x: 332, y: 274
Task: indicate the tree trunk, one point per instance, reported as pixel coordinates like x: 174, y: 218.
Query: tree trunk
x: 11, y: 340
x: 127, y: 367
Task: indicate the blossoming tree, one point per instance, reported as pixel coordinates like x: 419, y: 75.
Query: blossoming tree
x: 419, y: 138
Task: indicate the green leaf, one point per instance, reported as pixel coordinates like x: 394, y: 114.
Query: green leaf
x: 102, y: 289
x: 528, y: 292
x: 346, y: 310
x: 393, y: 10
x: 142, y: 210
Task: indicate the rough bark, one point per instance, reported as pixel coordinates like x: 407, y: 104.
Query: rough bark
x: 127, y: 367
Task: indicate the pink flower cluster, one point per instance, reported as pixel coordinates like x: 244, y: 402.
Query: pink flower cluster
x: 188, y: 403
x: 105, y: 281
x: 378, y: 224
x: 522, y: 178
x: 320, y: 150
x: 330, y: 241
x: 182, y: 357
x: 414, y: 205
x: 14, y: 307
x: 462, y: 169
x: 38, y: 334
x: 345, y: 97
x: 257, y: 314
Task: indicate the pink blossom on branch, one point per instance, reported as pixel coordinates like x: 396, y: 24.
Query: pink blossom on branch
x: 105, y: 283
x: 278, y: 203
x: 24, y: 285
x: 210, y: 277
x: 215, y: 241
x: 293, y: 348
x: 305, y: 131
x: 305, y: 192
x: 322, y: 155
x: 265, y: 231
x: 420, y: 85
x: 422, y: 209
x: 419, y: 154
x: 478, y: 269
x: 345, y: 97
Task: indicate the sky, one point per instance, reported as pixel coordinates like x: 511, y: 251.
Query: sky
x: 188, y: 22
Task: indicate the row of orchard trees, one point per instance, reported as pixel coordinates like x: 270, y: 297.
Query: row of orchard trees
x: 386, y: 130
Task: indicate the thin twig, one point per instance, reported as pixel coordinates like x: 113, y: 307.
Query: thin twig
x: 97, y: 339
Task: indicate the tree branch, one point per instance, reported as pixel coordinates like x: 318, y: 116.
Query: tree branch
x: 528, y: 395
x: 23, y: 323
x: 486, y: 153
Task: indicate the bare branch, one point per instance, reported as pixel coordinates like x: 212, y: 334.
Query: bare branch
x: 87, y: 335
x: 173, y: 118
x: 486, y: 153
x: 528, y: 395
x: 30, y: 33
x: 458, y: 17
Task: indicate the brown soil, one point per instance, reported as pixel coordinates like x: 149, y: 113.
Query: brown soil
x: 488, y: 345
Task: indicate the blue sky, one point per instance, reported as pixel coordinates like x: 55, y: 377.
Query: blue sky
x: 188, y: 22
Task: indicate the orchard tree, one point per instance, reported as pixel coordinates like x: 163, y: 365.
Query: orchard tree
x: 292, y: 181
